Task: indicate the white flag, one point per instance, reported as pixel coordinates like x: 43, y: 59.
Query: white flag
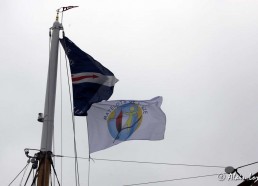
x: 112, y: 122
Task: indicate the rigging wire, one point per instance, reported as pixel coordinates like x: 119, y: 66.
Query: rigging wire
x: 159, y: 163
x: 53, y: 157
x: 23, y: 174
x: 61, y: 120
x: 28, y: 177
x: 176, y: 179
x: 19, y: 174
x: 34, y: 179
x: 89, y: 159
x: 146, y: 162
x: 53, y: 167
x: 61, y: 105
x: 89, y: 173
x: 247, y: 165
x: 73, y: 121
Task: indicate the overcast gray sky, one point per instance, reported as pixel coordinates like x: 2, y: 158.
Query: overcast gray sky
x: 201, y: 56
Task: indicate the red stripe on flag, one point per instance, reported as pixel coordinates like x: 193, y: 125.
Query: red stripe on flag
x: 83, y: 77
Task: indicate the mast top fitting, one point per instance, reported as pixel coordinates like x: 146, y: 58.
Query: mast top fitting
x: 62, y: 9
x: 65, y: 8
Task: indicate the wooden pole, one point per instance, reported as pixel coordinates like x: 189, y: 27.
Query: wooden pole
x: 44, y: 171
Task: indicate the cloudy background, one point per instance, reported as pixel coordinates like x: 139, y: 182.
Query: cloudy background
x: 201, y: 56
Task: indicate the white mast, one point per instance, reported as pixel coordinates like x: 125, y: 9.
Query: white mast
x: 48, y: 124
x: 49, y: 111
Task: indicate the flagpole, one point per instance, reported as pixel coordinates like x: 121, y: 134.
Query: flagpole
x: 49, y: 111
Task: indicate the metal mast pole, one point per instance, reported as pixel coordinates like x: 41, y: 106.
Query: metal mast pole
x: 48, y: 123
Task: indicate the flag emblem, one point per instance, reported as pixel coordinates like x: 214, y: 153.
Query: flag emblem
x: 124, y: 121
x: 113, y: 122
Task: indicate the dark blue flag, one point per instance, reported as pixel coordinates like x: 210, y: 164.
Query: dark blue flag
x: 92, y: 82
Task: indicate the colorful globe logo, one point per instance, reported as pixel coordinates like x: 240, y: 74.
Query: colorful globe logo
x: 124, y: 121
